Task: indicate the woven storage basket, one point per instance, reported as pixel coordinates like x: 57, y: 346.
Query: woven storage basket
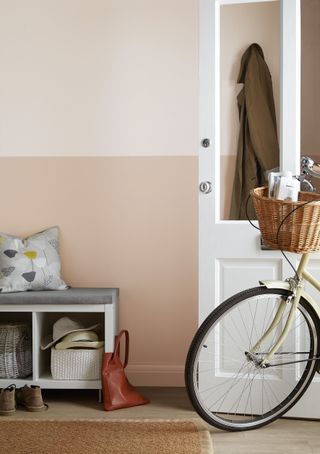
x: 300, y: 231
x: 78, y: 364
x: 15, y: 351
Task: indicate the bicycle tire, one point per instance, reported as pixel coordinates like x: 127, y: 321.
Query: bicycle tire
x: 241, y: 420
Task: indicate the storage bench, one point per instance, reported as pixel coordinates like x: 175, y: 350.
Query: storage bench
x: 41, y: 309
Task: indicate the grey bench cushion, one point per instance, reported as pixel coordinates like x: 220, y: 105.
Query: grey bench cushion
x: 69, y: 296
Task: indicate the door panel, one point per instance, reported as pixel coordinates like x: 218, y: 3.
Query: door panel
x: 238, y: 274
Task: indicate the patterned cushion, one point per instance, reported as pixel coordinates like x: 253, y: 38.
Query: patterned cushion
x: 30, y: 264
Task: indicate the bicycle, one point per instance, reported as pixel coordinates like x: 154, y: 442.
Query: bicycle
x: 243, y: 368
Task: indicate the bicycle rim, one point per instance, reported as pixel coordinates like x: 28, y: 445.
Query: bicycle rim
x: 227, y: 387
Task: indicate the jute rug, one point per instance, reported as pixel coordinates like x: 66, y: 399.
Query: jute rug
x: 104, y: 436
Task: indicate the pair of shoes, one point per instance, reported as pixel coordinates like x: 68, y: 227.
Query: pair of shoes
x: 28, y: 397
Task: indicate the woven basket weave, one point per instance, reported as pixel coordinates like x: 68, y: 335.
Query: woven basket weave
x: 78, y: 364
x: 15, y: 351
x: 300, y: 231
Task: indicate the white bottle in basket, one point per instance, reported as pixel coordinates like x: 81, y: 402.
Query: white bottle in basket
x: 288, y: 188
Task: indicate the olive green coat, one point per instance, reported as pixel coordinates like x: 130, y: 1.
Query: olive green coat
x: 258, y: 147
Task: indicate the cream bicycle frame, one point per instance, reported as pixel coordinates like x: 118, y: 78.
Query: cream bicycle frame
x: 302, y: 276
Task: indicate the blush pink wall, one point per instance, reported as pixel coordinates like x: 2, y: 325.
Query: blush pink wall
x: 125, y: 222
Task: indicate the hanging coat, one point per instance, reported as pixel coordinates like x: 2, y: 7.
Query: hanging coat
x: 258, y: 147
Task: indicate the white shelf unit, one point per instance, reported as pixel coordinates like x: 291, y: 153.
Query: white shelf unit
x: 41, y: 318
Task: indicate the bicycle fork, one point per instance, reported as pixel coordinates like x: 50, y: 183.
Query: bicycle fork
x: 294, y: 301
x: 296, y: 285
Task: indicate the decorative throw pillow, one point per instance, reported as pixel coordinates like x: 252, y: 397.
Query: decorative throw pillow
x: 30, y: 264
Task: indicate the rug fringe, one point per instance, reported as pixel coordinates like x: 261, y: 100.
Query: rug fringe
x: 196, y: 421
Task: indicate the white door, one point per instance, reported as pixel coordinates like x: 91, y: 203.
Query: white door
x: 230, y: 255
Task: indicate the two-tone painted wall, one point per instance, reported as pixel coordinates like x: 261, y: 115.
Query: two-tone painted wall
x: 98, y: 134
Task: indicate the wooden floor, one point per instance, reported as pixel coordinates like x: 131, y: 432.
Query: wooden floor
x: 284, y: 436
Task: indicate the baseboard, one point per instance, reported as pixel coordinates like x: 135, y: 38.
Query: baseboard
x: 155, y: 375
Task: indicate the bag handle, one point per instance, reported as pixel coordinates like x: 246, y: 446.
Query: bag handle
x: 117, y: 346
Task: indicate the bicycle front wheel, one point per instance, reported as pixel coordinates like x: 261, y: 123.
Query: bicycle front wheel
x: 225, y: 381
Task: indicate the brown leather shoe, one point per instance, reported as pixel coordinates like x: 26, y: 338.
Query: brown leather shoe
x: 30, y: 398
x: 7, y: 401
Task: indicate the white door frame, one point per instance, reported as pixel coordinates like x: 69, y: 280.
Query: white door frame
x: 290, y: 86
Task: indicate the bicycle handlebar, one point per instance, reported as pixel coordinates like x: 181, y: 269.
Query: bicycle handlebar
x: 307, y: 167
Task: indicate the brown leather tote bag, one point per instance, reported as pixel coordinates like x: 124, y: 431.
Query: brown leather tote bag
x: 116, y: 389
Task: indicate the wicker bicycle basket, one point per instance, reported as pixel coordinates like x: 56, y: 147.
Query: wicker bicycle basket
x: 15, y: 351
x: 299, y: 221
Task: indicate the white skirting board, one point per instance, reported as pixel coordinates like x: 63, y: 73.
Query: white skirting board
x: 155, y: 374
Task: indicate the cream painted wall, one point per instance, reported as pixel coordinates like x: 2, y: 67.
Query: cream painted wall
x: 98, y: 77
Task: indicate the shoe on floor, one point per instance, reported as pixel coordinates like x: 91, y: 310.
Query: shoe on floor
x: 7, y: 400
x: 30, y: 398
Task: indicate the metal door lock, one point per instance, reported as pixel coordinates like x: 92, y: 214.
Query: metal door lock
x: 205, y: 143
x: 205, y: 187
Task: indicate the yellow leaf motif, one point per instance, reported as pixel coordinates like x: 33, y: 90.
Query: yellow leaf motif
x: 31, y: 254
